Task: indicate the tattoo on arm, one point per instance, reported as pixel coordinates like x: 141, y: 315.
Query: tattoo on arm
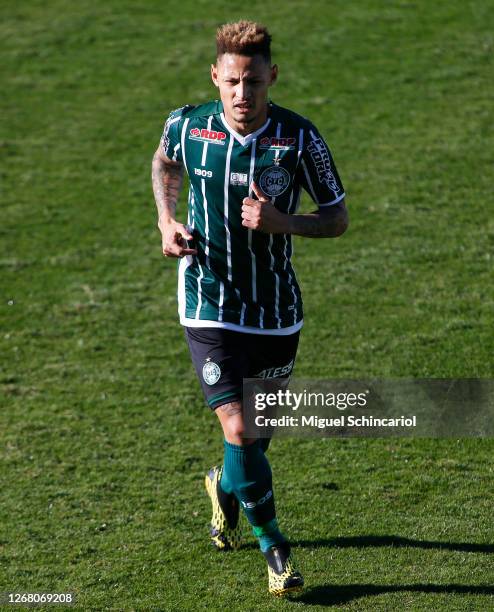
x: 167, y: 182
x: 323, y: 223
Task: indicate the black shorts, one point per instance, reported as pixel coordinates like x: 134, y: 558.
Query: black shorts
x: 223, y: 358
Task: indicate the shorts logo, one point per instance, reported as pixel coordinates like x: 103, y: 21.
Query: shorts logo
x: 210, y: 136
x: 278, y: 144
x: 238, y: 178
x: 320, y: 156
x: 276, y: 372
x: 211, y: 372
x: 274, y: 181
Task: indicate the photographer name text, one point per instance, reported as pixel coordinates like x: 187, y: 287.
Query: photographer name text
x: 340, y: 421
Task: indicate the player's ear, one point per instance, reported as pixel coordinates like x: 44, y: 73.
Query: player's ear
x: 214, y: 74
x: 274, y: 74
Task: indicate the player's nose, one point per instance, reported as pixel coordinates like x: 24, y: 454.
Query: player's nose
x: 242, y: 91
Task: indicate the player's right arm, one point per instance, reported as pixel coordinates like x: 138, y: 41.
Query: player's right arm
x: 167, y: 176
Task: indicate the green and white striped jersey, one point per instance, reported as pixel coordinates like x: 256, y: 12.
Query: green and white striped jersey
x: 242, y: 279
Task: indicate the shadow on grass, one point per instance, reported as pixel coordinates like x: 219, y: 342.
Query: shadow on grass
x: 385, y: 540
x: 390, y: 540
x: 332, y: 595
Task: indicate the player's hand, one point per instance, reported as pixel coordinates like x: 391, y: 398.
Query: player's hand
x: 262, y: 215
x: 174, y: 238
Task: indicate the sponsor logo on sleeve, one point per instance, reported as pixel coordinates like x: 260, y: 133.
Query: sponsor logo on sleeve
x: 165, y: 139
x: 320, y: 156
x: 274, y: 181
x: 209, y: 136
x: 277, y: 144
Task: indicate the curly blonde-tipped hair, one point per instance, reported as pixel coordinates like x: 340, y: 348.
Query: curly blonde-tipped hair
x: 243, y: 38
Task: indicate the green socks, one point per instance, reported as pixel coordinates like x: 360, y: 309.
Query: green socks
x: 247, y: 474
x: 268, y: 535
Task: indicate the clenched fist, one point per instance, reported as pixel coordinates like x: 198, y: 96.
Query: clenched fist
x: 262, y: 215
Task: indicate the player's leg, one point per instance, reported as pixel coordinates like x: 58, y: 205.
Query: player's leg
x: 246, y: 470
x: 274, y: 357
x: 221, y: 362
x: 247, y: 475
x: 219, y: 370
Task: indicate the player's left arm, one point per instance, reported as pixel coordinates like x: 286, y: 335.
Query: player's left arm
x: 326, y: 222
x: 318, y: 175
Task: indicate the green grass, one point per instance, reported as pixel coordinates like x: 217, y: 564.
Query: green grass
x: 104, y: 435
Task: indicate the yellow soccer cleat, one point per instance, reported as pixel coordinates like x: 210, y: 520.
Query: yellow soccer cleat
x: 283, y: 576
x: 224, y: 529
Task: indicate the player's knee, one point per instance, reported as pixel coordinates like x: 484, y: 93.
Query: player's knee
x: 232, y: 422
x: 234, y: 430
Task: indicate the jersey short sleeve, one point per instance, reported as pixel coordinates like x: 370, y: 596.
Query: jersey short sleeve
x: 170, y: 140
x: 319, y: 176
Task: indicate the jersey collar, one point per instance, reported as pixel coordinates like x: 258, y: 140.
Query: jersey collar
x: 244, y: 140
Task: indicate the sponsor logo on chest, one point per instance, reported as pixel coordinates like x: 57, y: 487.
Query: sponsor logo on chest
x: 209, y: 136
x: 277, y: 144
x: 239, y: 178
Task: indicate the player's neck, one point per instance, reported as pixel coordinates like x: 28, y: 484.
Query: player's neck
x: 245, y: 128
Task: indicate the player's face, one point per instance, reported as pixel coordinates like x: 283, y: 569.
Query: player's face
x: 243, y: 83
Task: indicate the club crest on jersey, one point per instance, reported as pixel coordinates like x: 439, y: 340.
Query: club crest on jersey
x: 277, y: 144
x: 274, y: 181
x: 210, y: 136
x: 211, y: 372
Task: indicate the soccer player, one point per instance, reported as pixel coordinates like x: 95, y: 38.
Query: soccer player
x: 248, y: 160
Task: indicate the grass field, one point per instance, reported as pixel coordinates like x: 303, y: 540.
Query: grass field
x: 104, y: 436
